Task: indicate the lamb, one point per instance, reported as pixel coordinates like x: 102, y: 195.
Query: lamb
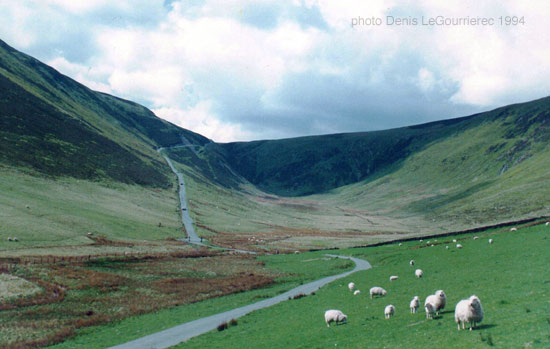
x: 335, y: 316
x: 469, y: 310
x: 415, y: 304
x: 411, y: 262
x: 394, y: 277
x: 458, y: 246
x: 389, y: 311
x: 351, y: 286
x: 430, y: 311
x: 356, y: 292
x: 490, y: 241
x: 377, y: 291
x: 437, y: 300
x: 418, y: 273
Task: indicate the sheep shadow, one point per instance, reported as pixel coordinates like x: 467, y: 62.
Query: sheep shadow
x: 446, y: 312
x: 485, y: 326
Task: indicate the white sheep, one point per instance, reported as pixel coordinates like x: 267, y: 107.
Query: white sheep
x: 9, y: 238
x: 377, y: 291
x: 547, y: 223
x: 476, y: 237
x: 430, y: 311
x: 514, y: 229
x: 438, y: 300
x: 454, y: 240
x: 27, y: 206
x: 411, y: 262
x: 356, y: 292
x: 351, y: 286
x: 15, y: 239
x: 335, y: 316
x: 394, y: 277
x: 470, y: 311
x: 389, y: 311
x: 400, y: 244
x: 490, y: 241
x: 418, y: 273
x: 421, y: 240
x: 458, y: 246
x: 415, y: 304
x: 447, y: 247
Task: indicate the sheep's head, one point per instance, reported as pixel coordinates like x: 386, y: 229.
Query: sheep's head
x: 440, y: 293
x: 383, y: 292
x: 343, y: 318
x: 416, y: 298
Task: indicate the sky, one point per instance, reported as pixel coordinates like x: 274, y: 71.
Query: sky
x: 235, y: 70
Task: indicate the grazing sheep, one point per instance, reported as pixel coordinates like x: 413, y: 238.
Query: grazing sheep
x: 27, y: 206
x: 475, y: 237
x: 394, y: 277
x: 470, y: 311
x: 415, y: 304
x: 458, y: 246
x: 9, y: 238
x: 490, y: 241
x: 421, y: 240
x: 427, y: 243
x: 447, y: 247
x: 438, y: 300
x: 351, y: 286
x: 547, y: 223
x: 411, y: 262
x: 389, y: 311
x: 400, y: 244
x: 418, y: 273
x: 356, y: 292
x: 15, y: 239
x: 335, y: 316
x: 296, y: 252
x: 514, y: 229
x: 454, y: 240
x: 430, y: 311
x: 377, y: 291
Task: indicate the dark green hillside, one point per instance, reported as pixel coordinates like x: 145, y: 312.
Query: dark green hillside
x: 57, y: 126
x: 307, y: 165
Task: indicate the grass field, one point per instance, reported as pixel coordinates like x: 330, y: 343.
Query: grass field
x: 287, y: 272
x: 62, y: 211
x: 510, y: 277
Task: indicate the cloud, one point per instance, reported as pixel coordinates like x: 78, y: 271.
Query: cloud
x: 239, y: 69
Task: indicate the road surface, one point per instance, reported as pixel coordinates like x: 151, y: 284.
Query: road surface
x: 183, y: 332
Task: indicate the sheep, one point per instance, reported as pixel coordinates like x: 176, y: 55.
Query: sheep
x: 454, y: 240
x: 490, y: 241
x: 514, y: 229
x: 15, y: 239
x: 27, y: 206
x: 377, y: 291
x: 469, y: 310
x: 476, y: 237
x: 547, y: 223
x: 356, y: 292
x: 411, y: 262
x: 400, y: 244
x: 421, y: 240
x: 447, y: 247
x: 389, y: 311
x: 438, y: 300
x: 351, y: 286
x: 394, y: 277
x: 335, y: 316
x: 430, y: 311
x: 458, y: 246
x: 415, y: 304
x: 9, y: 238
x: 418, y: 273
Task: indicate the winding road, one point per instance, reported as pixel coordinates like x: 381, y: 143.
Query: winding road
x: 183, y: 332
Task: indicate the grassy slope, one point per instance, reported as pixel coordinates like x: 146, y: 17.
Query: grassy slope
x: 509, y: 276
x: 62, y: 211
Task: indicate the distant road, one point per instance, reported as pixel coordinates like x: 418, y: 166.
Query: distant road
x: 183, y: 332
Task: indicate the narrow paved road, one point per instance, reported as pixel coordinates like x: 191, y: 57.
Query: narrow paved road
x: 183, y: 332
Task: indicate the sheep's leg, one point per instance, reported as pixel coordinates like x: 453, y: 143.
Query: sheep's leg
x: 463, y: 323
x: 458, y: 325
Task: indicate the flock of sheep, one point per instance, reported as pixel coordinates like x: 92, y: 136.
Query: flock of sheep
x: 466, y: 311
